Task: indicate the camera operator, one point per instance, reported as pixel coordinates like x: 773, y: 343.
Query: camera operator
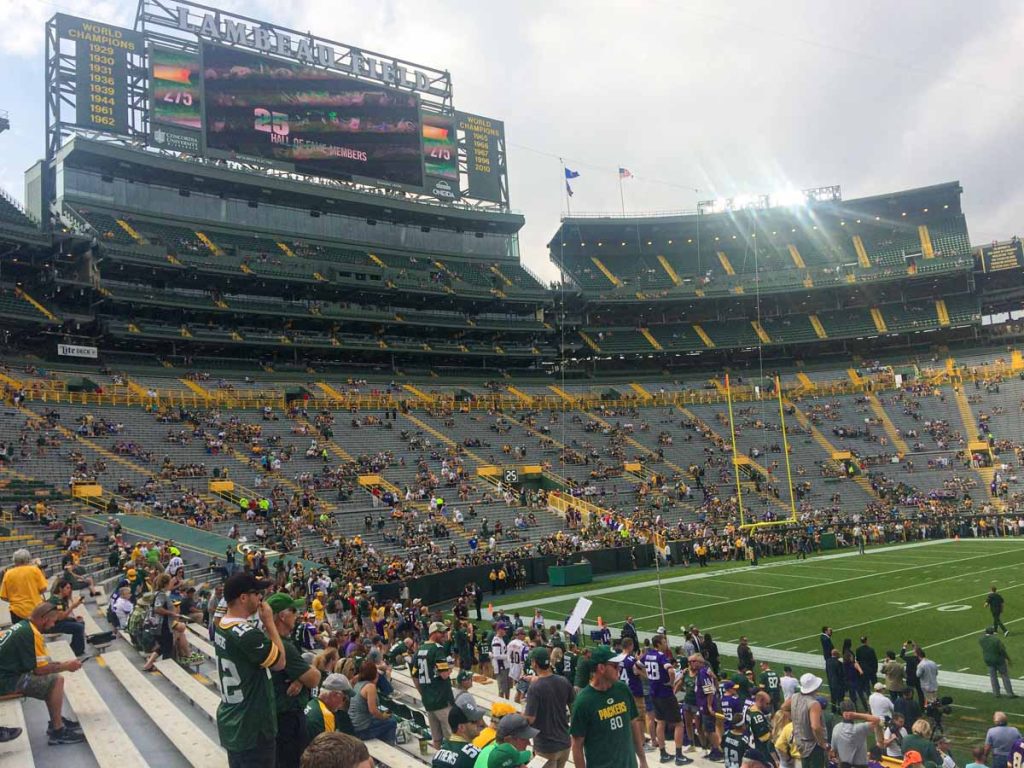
x: 892, y: 736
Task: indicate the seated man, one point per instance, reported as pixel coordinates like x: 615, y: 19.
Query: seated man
x: 67, y: 623
x: 26, y: 668
x: 329, y: 712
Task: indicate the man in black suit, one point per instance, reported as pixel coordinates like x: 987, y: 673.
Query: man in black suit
x: 629, y: 630
x: 826, y: 643
x: 868, y: 660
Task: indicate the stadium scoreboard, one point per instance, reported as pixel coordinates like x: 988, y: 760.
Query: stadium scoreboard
x: 222, y: 86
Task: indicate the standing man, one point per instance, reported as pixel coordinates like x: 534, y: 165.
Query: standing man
x: 661, y: 675
x: 809, y: 734
x: 499, y: 658
x: 605, y: 730
x: 911, y: 661
x: 850, y: 737
x: 826, y: 643
x: 759, y: 730
x: 927, y: 675
x: 291, y: 684
x: 789, y: 683
x: 478, y: 599
x: 770, y: 683
x: 517, y: 653
x: 547, y: 709
x: 997, y: 660
x: 893, y: 670
x: 868, y: 660
x: 630, y: 674
x: 880, y: 704
x: 744, y: 656
x: 1000, y: 740
x: 432, y: 678
x: 23, y: 586
x: 705, y: 689
x: 629, y: 630
x: 246, y: 721
x: 994, y: 601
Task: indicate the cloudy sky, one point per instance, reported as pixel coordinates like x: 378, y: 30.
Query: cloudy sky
x: 719, y: 96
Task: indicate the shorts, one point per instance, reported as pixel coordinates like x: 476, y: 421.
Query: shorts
x: 503, y: 683
x: 522, y: 686
x: 437, y: 719
x: 36, y: 686
x: 554, y: 759
x: 648, y: 703
x: 666, y: 709
x: 708, y: 722
x: 816, y: 759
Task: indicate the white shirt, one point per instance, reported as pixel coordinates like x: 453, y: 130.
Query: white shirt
x: 896, y: 748
x: 499, y: 655
x: 790, y: 685
x: 517, y: 651
x: 880, y: 705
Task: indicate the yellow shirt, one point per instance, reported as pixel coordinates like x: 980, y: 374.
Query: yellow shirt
x: 42, y: 655
x: 22, y: 587
x: 318, y: 609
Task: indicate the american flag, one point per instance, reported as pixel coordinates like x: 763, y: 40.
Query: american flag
x: 625, y: 173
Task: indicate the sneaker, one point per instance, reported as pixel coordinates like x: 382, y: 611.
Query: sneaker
x: 689, y: 748
x: 716, y: 756
x: 66, y: 736
x: 682, y: 759
x: 9, y: 734
x: 665, y: 757
x: 1006, y: 632
x: 69, y: 724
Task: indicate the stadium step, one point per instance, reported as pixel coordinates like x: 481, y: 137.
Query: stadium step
x: 819, y: 329
x: 205, y: 698
x: 855, y: 377
x: 941, y: 312
x: 111, y: 746
x: 12, y: 383
x: 827, y: 446
x: 195, y: 746
x: 862, y: 253
x: 650, y: 339
x: 676, y: 280
x: 703, y: 336
x: 501, y: 275
x: 20, y: 292
x: 1016, y: 361
x: 887, y: 424
x: 794, y: 254
x: 189, y: 384
x: 17, y: 752
x: 521, y: 395
x: 805, y: 380
x: 130, y: 231
x: 418, y: 393
x: 376, y: 260
x: 726, y: 264
x: 640, y: 390
x: 926, y: 241
x: 879, y: 321
x: 330, y: 391
x: 136, y: 389
x: 214, y: 248
x: 606, y: 272
x: 287, y: 251
x: 762, y: 334
x: 589, y: 341
x: 562, y: 393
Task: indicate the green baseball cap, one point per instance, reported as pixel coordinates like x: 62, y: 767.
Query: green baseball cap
x: 507, y: 756
x: 541, y: 657
x: 463, y: 676
x: 604, y: 655
x: 281, y: 601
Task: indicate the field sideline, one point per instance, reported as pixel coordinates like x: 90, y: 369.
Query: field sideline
x: 931, y: 592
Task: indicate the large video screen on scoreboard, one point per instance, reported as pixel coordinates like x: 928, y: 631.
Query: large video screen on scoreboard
x: 313, y: 120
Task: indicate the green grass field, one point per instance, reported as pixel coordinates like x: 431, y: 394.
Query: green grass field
x: 932, y: 594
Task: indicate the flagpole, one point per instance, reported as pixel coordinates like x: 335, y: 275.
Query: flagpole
x: 565, y: 189
x: 622, y: 199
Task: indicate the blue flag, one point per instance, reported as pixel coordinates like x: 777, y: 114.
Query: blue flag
x: 569, y: 174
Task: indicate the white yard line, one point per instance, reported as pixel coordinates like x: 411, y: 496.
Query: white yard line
x: 591, y: 593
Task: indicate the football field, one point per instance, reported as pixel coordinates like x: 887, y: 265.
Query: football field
x: 930, y: 592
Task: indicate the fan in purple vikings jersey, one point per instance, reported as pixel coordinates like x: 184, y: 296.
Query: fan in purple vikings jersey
x: 706, y: 689
x: 1015, y: 759
x: 632, y: 674
x: 661, y: 675
x: 730, y: 706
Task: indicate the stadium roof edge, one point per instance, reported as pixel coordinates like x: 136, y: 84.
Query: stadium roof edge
x: 119, y: 160
x: 950, y: 189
